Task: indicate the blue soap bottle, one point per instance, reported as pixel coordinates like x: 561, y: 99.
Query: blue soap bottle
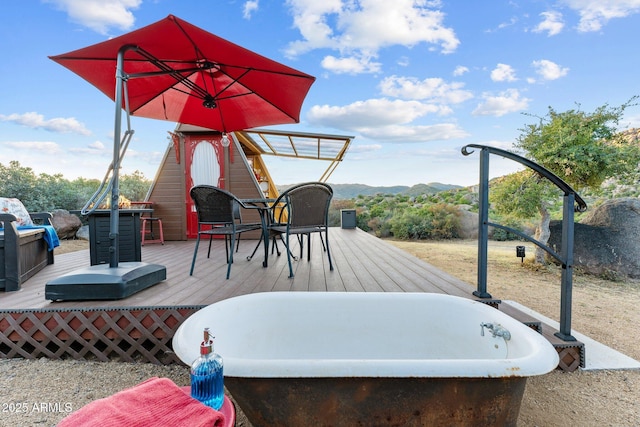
x: 207, y: 380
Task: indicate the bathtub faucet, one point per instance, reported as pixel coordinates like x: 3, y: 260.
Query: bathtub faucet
x: 497, y: 330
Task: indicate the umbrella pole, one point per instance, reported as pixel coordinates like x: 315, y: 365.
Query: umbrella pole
x: 114, y: 281
x: 114, y: 223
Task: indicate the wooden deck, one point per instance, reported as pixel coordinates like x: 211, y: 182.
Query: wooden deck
x: 141, y: 326
x: 362, y: 263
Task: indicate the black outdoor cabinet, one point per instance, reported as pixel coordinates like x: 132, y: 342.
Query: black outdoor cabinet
x: 348, y: 218
x: 129, y: 236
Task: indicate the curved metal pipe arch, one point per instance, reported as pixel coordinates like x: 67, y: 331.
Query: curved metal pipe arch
x: 572, y: 202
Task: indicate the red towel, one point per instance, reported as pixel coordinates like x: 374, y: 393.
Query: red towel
x: 154, y: 402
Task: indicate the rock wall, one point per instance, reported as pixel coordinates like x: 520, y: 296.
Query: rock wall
x: 607, y: 239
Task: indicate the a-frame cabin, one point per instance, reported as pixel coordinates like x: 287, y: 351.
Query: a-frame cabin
x: 198, y: 156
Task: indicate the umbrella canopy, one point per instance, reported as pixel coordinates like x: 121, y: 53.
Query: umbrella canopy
x: 178, y: 72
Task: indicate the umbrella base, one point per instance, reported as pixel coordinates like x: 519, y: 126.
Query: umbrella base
x: 102, y: 282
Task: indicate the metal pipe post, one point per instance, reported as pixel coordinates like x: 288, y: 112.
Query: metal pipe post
x: 566, y: 285
x: 483, y: 227
x: 114, y: 223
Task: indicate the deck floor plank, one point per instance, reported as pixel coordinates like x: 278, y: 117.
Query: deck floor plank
x: 365, y: 280
x: 361, y: 263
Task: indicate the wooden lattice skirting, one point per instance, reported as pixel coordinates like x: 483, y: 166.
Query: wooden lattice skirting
x: 571, y: 353
x: 128, y: 334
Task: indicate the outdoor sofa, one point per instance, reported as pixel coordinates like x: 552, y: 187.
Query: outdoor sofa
x: 23, y: 252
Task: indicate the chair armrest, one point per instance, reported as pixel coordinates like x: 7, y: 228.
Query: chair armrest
x: 41, y: 217
x: 8, y: 218
x: 9, y: 224
x: 251, y: 206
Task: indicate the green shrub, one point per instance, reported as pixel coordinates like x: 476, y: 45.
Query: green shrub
x: 435, y: 221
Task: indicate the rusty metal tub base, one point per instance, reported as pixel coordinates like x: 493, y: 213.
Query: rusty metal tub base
x: 379, y: 401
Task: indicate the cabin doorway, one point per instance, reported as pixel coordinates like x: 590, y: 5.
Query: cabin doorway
x: 204, y: 161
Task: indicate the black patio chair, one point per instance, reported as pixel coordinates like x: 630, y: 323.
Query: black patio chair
x: 215, y: 209
x: 302, y: 210
x: 237, y: 216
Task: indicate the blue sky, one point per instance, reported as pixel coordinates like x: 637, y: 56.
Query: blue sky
x: 413, y: 81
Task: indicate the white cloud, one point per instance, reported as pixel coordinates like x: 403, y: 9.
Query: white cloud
x: 596, y: 13
x: 460, y: 70
x: 404, y: 61
x: 364, y: 148
x: 551, y: 24
x: 503, y: 73
x: 433, y: 89
x: 96, y: 145
x: 37, y: 121
x: 422, y: 133
x: 370, y: 113
x: 249, y: 7
x: 367, y: 26
x: 350, y: 65
x: 632, y: 121
x: 99, y: 15
x: 383, y: 119
x: 95, y: 148
x: 512, y: 21
x: 72, y: 162
x: 41, y: 147
x: 506, y: 102
x: 549, y: 70
x: 505, y: 145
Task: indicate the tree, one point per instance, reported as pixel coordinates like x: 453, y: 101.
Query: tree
x: 53, y: 192
x: 48, y: 192
x: 582, y: 148
x: 19, y: 182
x: 83, y: 190
x: 134, y: 186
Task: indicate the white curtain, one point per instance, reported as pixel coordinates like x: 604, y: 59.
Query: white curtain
x: 205, y: 167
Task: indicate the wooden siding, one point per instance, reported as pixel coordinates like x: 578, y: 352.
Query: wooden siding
x: 168, y: 196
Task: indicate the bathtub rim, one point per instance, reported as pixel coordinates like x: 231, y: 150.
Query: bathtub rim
x: 543, y: 359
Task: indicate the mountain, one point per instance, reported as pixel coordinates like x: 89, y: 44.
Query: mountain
x: 351, y: 191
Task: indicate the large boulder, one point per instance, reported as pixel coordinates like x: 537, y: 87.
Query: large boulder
x: 607, y: 239
x: 65, y: 223
x: 467, y: 223
x: 83, y: 233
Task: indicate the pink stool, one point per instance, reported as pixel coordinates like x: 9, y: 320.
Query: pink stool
x: 146, y: 232
x: 147, y: 224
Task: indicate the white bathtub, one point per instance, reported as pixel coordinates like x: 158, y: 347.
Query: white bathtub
x: 416, y: 341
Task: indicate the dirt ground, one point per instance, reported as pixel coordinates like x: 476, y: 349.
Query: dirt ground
x: 71, y: 246
x: 603, y: 310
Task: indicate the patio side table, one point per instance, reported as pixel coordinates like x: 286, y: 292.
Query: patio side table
x: 128, y: 234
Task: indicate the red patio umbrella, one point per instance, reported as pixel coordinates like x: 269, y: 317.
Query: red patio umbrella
x: 172, y: 70
x: 178, y: 72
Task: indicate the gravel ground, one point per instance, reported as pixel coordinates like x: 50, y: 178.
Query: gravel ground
x: 42, y: 392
